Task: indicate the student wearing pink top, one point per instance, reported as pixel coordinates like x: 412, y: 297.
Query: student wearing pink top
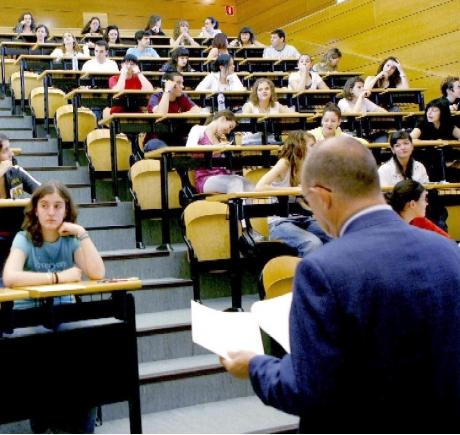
x: 214, y: 132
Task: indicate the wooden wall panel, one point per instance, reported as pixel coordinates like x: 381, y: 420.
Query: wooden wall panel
x: 132, y: 14
x: 423, y: 34
x: 270, y: 14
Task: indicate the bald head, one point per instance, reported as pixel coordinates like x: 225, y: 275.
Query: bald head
x: 343, y: 165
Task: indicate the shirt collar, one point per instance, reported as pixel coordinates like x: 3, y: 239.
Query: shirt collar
x: 363, y: 212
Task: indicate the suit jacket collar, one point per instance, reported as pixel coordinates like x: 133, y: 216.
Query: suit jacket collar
x: 369, y: 217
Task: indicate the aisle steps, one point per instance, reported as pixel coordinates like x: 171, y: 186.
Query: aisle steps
x: 183, y: 387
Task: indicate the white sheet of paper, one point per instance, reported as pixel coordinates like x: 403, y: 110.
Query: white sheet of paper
x: 221, y: 332
x: 56, y: 287
x: 272, y: 315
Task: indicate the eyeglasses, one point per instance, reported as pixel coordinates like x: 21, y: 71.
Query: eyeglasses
x: 310, y: 189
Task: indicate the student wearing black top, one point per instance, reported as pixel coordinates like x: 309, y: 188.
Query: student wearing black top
x: 450, y: 88
x: 153, y: 27
x: 437, y: 123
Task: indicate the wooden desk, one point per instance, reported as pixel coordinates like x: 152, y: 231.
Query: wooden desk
x: 40, y: 63
x: 135, y: 123
x: 249, y: 52
x: 256, y: 64
x: 430, y: 186
x: 363, y: 123
x: 392, y: 96
x: 277, y: 123
x: 12, y: 48
x: 185, y: 158
x: 8, y: 295
x: 61, y: 79
x: 70, y: 354
x: 337, y: 79
x: 93, y: 98
x: 279, y: 78
x: 309, y: 100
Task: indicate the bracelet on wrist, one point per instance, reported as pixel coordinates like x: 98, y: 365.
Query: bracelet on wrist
x: 56, y: 278
x: 83, y: 236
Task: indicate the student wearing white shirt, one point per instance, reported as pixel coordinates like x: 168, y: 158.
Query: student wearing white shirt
x: 210, y: 29
x: 278, y: 48
x: 100, y: 63
x: 402, y: 165
x: 305, y: 78
x: 355, y: 98
x: 224, y: 77
x: 69, y: 48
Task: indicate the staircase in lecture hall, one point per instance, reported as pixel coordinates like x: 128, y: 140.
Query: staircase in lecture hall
x: 183, y: 387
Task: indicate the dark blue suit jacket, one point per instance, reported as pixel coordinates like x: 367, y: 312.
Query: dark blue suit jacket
x: 374, y: 331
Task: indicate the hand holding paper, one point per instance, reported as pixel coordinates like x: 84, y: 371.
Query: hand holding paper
x: 223, y: 332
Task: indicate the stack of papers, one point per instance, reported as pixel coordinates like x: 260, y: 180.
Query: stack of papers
x: 223, y: 332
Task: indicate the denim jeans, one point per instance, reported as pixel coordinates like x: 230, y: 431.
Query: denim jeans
x: 300, y: 232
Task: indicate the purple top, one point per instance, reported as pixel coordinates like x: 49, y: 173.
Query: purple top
x: 201, y: 175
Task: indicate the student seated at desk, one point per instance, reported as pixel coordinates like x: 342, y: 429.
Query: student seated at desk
x: 101, y: 62
x: 330, y: 62
x: 330, y: 124
x: 297, y: 231
x: 410, y: 199
x: 93, y: 27
x: 278, y: 49
x: 219, y: 46
x: 143, y: 48
x: 130, y: 77
x: 53, y: 249
x: 26, y: 24
x: 210, y: 29
x: 437, y: 123
x: 112, y: 34
x: 402, y: 165
x: 450, y: 89
x: 42, y: 33
x: 153, y: 26
x: 262, y: 100
x: 355, y: 98
x: 246, y: 39
x: 181, y: 35
x: 69, y: 48
x: 15, y: 182
x: 305, y: 78
x: 224, y: 77
x: 178, y: 61
x: 390, y: 74
x: 171, y: 100
x: 214, y: 132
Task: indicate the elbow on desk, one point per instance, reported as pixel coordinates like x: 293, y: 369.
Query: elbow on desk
x: 95, y: 275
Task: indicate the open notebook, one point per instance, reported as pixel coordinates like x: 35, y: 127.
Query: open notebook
x: 221, y: 332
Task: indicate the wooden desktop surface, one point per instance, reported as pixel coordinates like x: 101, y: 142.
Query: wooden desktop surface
x: 82, y: 287
x: 156, y: 154
x: 10, y: 203
x: 8, y: 294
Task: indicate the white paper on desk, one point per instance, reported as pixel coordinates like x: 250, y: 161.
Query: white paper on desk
x: 272, y: 315
x: 221, y: 332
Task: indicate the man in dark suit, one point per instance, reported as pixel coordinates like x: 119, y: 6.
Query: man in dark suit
x: 375, y: 316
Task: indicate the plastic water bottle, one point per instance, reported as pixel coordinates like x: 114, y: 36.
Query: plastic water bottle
x: 74, y: 62
x: 220, y: 102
